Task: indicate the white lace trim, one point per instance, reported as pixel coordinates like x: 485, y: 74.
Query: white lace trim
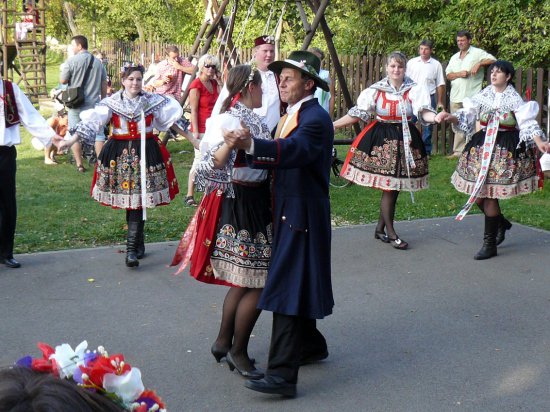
x: 130, y: 201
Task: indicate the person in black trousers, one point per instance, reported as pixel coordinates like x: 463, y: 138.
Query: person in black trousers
x: 298, y: 288
x: 15, y: 109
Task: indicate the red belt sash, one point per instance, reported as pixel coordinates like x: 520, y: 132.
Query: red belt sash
x: 149, y: 135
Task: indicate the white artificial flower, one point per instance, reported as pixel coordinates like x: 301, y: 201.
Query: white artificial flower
x: 128, y: 387
x: 67, y: 359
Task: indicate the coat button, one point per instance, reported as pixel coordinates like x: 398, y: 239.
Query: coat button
x: 283, y: 218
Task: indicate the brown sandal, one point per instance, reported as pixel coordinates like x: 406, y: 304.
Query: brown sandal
x: 190, y: 201
x: 81, y: 169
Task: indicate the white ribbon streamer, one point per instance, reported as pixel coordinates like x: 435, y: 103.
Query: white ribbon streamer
x: 143, y: 166
x: 488, y: 146
x: 409, y: 159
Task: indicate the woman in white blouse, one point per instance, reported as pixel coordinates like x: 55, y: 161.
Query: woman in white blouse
x: 228, y: 242
x: 389, y: 153
x: 500, y: 160
x: 121, y: 167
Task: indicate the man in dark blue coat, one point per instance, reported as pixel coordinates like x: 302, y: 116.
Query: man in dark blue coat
x: 298, y: 289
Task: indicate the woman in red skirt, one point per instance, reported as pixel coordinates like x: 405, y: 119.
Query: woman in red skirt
x: 228, y: 242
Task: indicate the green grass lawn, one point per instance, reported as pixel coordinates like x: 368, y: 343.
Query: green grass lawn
x: 56, y: 211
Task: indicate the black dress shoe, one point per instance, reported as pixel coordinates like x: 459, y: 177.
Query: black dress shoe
x: 11, y: 263
x: 251, y: 374
x: 313, y: 357
x: 272, y: 384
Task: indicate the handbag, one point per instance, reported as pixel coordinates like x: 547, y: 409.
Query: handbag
x: 73, y: 97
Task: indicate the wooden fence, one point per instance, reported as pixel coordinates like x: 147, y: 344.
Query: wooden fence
x: 359, y: 71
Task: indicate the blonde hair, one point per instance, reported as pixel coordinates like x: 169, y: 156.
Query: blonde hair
x: 210, y: 60
x: 398, y: 57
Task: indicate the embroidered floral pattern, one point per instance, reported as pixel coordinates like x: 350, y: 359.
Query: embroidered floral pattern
x: 119, y: 184
x: 240, y: 258
x: 507, y: 176
x: 385, y: 168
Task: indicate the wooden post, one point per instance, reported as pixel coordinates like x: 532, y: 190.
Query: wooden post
x: 334, y: 57
x: 303, y: 16
x: 319, y: 14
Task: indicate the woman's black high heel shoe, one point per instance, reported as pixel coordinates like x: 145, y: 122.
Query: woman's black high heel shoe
x: 252, y: 374
x: 218, y: 353
x: 398, y: 243
x: 381, y: 236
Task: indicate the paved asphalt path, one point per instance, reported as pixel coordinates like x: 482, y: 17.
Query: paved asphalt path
x: 428, y: 329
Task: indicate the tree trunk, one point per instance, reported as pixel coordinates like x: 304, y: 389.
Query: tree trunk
x: 69, y: 17
x: 139, y: 28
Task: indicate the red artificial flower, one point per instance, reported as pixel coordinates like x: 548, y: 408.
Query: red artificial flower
x: 102, y: 365
x: 45, y: 364
x: 149, y: 397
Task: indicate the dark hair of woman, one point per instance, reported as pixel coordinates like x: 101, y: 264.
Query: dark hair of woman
x: 25, y: 390
x: 505, y: 67
x: 128, y: 70
x: 237, y: 82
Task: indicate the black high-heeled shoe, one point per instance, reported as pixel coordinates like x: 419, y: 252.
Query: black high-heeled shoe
x: 381, y: 236
x: 252, y: 374
x: 398, y: 243
x: 218, y: 353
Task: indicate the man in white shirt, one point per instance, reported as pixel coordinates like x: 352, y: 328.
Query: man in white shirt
x: 424, y: 69
x: 465, y: 72
x: 16, y: 109
x: 264, y: 54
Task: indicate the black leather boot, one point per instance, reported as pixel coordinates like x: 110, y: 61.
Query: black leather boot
x: 503, y: 226
x: 131, y: 257
x: 489, y: 248
x: 140, y: 245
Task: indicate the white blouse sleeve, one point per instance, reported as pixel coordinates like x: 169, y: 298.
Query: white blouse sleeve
x: 528, y: 126
x: 365, y: 105
x: 467, y: 117
x: 209, y: 178
x: 167, y: 115
x: 421, y: 100
x: 213, y: 137
x: 92, y: 123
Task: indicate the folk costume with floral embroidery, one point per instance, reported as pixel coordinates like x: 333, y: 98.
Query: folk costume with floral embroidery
x: 508, y: 129
x: 228, y: 241
x: 117, y: 180
x: 389, y: 153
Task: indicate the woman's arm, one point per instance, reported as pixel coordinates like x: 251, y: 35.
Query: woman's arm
x: 194, y: 97
x: 345, y: 121
x: 221, y: 156
x: 195, y: 142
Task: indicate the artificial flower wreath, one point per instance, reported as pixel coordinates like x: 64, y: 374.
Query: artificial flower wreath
x: 96, y: 371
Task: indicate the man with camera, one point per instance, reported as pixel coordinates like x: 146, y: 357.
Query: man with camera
x: 83, y: 70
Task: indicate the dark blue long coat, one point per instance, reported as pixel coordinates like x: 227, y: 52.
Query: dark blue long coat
x: 298, y: 281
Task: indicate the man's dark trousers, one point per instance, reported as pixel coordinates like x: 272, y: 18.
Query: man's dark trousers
x: 8, y: 205
x: 293, y: 339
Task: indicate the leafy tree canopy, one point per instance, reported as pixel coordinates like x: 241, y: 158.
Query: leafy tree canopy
x: 516, y: 30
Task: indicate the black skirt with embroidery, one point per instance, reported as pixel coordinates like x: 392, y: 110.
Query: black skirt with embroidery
x: 243, y: 237
x: 377, y: 159
x: 512, y: 171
